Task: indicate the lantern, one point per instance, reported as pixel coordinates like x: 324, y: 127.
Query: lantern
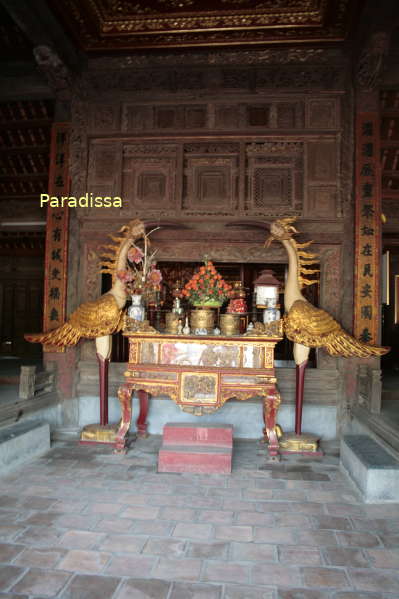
x: 266, y: 288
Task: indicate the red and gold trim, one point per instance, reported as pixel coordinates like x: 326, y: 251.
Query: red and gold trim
x: 56, y: 256
x: 367, y: 228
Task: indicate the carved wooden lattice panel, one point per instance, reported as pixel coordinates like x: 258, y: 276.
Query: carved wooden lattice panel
x: 211, y: 183
x: 275, y: 175
x: 149, y: 176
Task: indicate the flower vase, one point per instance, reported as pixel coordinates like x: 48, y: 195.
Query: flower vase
x: 137, y: 310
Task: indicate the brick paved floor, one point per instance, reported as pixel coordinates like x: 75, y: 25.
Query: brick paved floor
x: 82, y: 523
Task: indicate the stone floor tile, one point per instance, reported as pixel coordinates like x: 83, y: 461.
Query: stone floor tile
x: 384, y: 510
x: 8, y: 501
x: 132, y: 499
x: 289, y: 495
x: 83, y: 586
x: 169, y: 547
x: 233, y: 533
x: 177, y: 514
x: 74, y: 507
x: 123, y: 543
x: 383, y: 558
x: 302, y: 594
x: 40, y: 557
x: 263, y: 534
x: 377, y: 525
x: 157, y: 528
x: 114, y: 525
x: 294, y: 520
x: 332, y: 522
x: 274, y: 506
x: 257, y: 494
x: 357, y: 595
x: 215, y: 516
x: 8, y: 574
x: 81, y: 539
x: 178, y: 569
x: 8, y: 552
x: 390, y: 541
x: 90, y: 562
x: 136, y: 588
x: 186, y: 590
x: 255, y: 518
x: 237, y: 505
x: 42, y: 519
x: 333, y: 578
x: 10, y: 531
x: 7, y: 516
x: 130, y: 565
x: 375, y: 580
x: 103, y: 508
x: 222, y: 571
x: 40, y: 535
x: 248, y: 592
x: 192, y: 530
x: 216, y: 550
x: 343, y: 509
x: 299, y: 555
x: 78, y: 521
x: 140, y: 512
x: 41, y: 582
x: 315, y: 476
x: 346, y: 557
x: 310, y: 508
x: 276, y: 574
x: 38, y: 503
x: 358, y: 539
x: 13, y: 596
x: 242, y: 552
x: 287, y: 475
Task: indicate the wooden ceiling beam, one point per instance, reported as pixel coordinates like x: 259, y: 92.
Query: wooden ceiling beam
x: 41, y: 27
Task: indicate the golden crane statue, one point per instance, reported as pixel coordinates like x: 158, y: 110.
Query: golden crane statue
x: 308, y: 326
x: 99, y: 319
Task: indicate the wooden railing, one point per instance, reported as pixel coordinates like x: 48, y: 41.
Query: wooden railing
x: 32, y: 384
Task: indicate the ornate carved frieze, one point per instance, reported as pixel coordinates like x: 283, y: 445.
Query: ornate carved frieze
x: 121, y: 25
x: 222, y: 56
x: 229, y: 79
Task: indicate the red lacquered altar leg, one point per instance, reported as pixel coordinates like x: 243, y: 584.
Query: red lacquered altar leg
x: 142, y: 418
x: 300, y: 382
x: 271, y: 402
x: 125, y: 399
x: 103, y: 375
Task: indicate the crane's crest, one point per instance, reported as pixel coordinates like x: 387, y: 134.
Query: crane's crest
x: 283, y: 229
x: 109, y: 258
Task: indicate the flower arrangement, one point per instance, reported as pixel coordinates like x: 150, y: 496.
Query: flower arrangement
x: 141, y: 275
x: 206, y: 287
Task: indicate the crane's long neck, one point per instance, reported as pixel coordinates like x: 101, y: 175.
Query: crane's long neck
x: 118, y: 288
x: 292, y: 289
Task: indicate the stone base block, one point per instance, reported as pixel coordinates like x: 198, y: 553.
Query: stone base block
x: 211, y: 435
x: 197, y: 459
x: 195, y: 448
x: 21, y: 442
x: 374, y: 471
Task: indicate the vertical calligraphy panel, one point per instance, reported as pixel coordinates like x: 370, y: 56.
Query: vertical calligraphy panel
x: 367, y: 228
x: 56, y: 257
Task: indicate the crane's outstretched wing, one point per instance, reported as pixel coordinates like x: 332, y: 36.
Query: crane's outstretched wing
x: 313, y: 327
x: 90, y: 320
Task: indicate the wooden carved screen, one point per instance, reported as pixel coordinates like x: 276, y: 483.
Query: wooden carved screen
x: 262, y: 179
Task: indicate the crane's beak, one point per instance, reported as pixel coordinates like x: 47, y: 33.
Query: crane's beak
x: 269, y: 241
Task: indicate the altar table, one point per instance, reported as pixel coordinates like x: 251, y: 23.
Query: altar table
x: 199, y: 373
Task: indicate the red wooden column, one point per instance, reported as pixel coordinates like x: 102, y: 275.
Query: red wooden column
x: 367, y: 227
x: 56, y: 254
